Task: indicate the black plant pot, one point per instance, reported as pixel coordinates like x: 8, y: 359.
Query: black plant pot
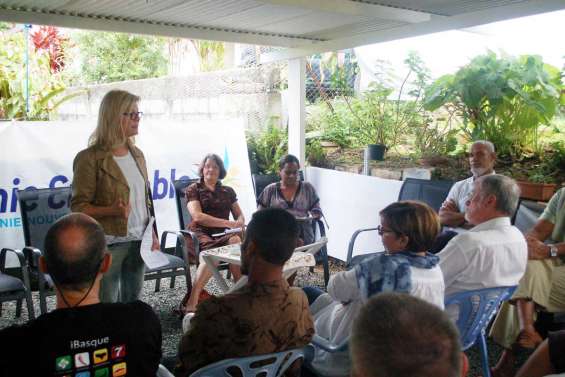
x: 376, y: 151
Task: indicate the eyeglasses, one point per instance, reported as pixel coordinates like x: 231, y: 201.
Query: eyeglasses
x: 382, y: 230
x: 134, y: 115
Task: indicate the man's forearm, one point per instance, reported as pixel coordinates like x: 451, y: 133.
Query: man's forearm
x: 452, y: 219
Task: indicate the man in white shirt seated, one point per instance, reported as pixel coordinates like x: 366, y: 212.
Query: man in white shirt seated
x: 402, y: 335
x: 493, y: 253
x: 481, y: 160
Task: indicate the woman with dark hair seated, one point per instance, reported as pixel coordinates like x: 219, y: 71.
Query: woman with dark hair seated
x: 210, y: 204
x: 408, y: 229
x: 293, y: 195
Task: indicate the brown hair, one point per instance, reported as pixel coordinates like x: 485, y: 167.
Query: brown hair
x: 214, y: 157
x: 416, y: 220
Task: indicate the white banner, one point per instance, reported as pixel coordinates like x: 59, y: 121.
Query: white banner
x: 40, y: 154
x: 351, y: 202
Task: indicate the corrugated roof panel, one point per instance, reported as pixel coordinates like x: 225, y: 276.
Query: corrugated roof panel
x: 444, y: 7
x: 196, y: 12
x: 263, y: 15
x: 312, y: 22
x: 356, y: 29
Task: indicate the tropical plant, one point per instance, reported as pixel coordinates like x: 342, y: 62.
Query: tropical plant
x: 316, y: 156
x: 45, y: 84
x: 49, y: 39
x: 378, y: 119
x: 435, y: 136
x: 108, y: 57
x: 266, y: 148
x: 501, y: 99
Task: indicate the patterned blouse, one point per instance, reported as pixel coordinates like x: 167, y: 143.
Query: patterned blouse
x: 254, y: 320
x: 215, y: 203
x: 305, y: 200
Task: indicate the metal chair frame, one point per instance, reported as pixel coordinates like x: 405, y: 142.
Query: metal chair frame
x: 27, y: 200
x: 405, y: 191
x: 20, y: 294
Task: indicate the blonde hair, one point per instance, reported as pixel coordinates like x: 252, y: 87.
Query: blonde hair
x: 109, y: 133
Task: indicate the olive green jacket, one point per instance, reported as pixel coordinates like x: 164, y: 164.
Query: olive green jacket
x: 98, y: 181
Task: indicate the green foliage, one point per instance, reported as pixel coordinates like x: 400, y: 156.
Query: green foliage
x: 46, y: 86
x: 374, y: 117
x: 211, y: 54
x: 337, y: 125
x: 435, y: 137
x: 553, y: 162
x: 266, y: 148
x: 316, y: 156
x: 504, y: 100
x: 109, y: 57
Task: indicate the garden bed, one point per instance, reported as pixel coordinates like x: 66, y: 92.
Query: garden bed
x: 450, y: 167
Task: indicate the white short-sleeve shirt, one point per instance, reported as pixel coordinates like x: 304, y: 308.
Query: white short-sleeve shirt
x: 492, y: 254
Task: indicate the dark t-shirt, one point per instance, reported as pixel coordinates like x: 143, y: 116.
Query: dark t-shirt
x: 215, y: 203
x: 101, y: 340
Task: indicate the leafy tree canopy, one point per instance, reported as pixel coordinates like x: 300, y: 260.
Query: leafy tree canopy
x: 108, y: 57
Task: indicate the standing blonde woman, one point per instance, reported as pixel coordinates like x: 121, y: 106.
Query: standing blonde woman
x: 110, y: 184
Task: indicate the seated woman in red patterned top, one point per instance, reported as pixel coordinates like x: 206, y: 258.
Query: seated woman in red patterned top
x: 210, y: 204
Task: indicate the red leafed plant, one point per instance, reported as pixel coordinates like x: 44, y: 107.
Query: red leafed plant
x: 48, y: 38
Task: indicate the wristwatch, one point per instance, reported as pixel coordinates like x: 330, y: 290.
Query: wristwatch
x: 552, y: 251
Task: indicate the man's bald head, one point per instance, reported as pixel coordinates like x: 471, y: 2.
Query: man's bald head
x: 74, y: 249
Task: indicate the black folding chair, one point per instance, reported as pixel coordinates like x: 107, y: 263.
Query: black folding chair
x: 40, y: 208
x: 433, y: 193
x: 262, y: 181
x: 12, y: 288
x: 430, y: 192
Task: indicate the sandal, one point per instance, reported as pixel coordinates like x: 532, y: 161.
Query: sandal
x: 180, y: 310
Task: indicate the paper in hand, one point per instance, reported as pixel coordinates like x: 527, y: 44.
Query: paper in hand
x: 152, y: 259
x: 228, y: 231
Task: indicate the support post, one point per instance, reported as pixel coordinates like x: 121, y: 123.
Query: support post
x: 296, y: 108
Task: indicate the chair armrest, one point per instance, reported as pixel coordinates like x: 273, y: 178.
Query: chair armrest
x: 19, y: 255
x: 32, y: 255
x: 321, y: 226
x: 352, y: 243
x: 195, y: 242
x: 327, y: 346
x: 179, y: 236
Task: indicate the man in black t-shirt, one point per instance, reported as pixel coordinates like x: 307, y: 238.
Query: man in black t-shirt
x: 82, y: 337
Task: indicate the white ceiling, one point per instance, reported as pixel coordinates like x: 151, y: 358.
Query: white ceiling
x: 300, y: 27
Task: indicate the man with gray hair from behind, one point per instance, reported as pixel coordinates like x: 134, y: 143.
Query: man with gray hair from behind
x: 494, y: 252
x: 398, y: 335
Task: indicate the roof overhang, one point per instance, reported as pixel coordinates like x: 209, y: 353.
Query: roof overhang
x: 298, y: 27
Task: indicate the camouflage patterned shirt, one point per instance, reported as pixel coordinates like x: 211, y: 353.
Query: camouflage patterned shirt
x: 254, y: 320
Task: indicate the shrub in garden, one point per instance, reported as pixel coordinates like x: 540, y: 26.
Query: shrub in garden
x: 266, y: 148
x: 501, y: 99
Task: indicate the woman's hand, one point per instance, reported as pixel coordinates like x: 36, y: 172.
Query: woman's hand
x: 121, y: 209
x: 155, y: 246
x: 234, y: 224
x: 240, y: 223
